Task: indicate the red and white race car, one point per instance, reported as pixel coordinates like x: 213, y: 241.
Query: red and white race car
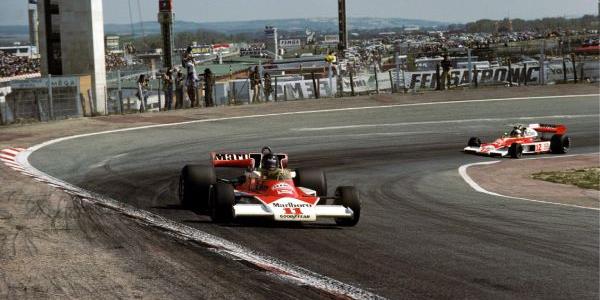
x: 265, y: 189
x: 531, y: 139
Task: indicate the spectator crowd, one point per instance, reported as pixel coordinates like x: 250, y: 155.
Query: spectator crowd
x: 11, y: 65
x: 115, y: 61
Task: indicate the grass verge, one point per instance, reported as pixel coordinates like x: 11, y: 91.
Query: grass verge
x: 584, y: 178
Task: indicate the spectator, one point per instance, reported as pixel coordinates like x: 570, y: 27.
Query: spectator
x: 11, y: 65
x: 191, y: 81
x: 268, y: 87
x: 179, y: 83
x: 209, y: 83
x: 446, y: 64
x: 168, y: 88
x: 255, y: 85
x: 114, y: 61
x: 143, y: 92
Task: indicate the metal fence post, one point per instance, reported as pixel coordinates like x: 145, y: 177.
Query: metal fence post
x: 476, y: 77
x: 120, y: 91
x: 330, y: 77
x: 469, y: 66
x: 574, y: 67
x: 352, y: 84
x: 159, y: 94
x: 50, y: 98
x: 564, y: 63
x: 510, y: 79
x: 376, y: 80
x: 525, y: 75
x: 437, y: 78
x: 314, y: 82
x: 392, y: 82
x: 276, y: 90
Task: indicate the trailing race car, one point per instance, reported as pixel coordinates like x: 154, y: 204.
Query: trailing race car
x: 266, y: 189
x: 532, y: 139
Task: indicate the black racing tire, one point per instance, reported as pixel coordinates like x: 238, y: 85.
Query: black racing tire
x: 195, y: 183
x: 474, y: 142
x: 222, y: 202
x: 313, y: 179
x: 560, y: 144
x: 516, y: 150
x: 347, y: 196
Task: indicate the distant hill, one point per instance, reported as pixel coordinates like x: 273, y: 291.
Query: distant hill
x: 317, y: 24
x: 322, y: 25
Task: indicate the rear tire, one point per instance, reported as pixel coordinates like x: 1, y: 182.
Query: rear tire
x: 347, y: 196
x: 313, y: 179
x: 474, y: 142
x: 560, y: 144
x: 222, y: 202
x: 516, y: 150
x: 194, y: 186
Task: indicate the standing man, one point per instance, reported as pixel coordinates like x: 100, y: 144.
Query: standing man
x: 209, y: 83
x: 446, y: 65
x: 143, y: 92
x: 255, y: 85
x: 268, y: 87
x: 191, y: 81
x: 168, y: 88
x: 179, y: 83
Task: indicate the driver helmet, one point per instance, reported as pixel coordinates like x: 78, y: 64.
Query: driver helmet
x: 269, y: 162
x: 516, y: 132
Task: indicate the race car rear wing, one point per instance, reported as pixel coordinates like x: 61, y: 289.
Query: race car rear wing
x: 549, y: 128
x: 243, y: 160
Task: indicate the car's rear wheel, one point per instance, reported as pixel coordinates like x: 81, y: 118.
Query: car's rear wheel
x: 222, y: 202
x: 313, y: 179
x: 194, y: 186
x: 516, y: 150
x: 347, y: 196
x: 560, y: 144
x: 474, y: 142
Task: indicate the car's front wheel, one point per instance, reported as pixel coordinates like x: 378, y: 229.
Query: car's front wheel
x: 222, y: 202
x: 516, y: 150
x: 194, y: 186
x: 347, y: 196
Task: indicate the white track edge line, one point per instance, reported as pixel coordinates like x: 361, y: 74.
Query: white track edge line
x: 462, y: 170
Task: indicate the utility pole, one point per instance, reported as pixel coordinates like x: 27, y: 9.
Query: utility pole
x: 343, y: 29
x: 165, y: 18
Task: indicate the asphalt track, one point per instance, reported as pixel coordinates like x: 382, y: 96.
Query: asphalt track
x: 424, y: 233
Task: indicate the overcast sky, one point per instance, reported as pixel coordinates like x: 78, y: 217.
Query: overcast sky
x: 14, y: 12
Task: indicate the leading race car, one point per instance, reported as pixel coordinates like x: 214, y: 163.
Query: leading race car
x: 531, y: 139
x: 265, y: 189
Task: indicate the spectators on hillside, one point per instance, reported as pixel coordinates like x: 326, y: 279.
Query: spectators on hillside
x: 114, y: 62
x: 11, y: 65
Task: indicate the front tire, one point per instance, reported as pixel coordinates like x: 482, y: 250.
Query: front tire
x: 194, y: 186
x: 222, y: 202
x: 313, y: 179
x: 347, y: 196
x: 560, y: 144
x: 516, y: 151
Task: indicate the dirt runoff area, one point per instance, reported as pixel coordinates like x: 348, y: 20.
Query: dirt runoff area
x: 514, y: 178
